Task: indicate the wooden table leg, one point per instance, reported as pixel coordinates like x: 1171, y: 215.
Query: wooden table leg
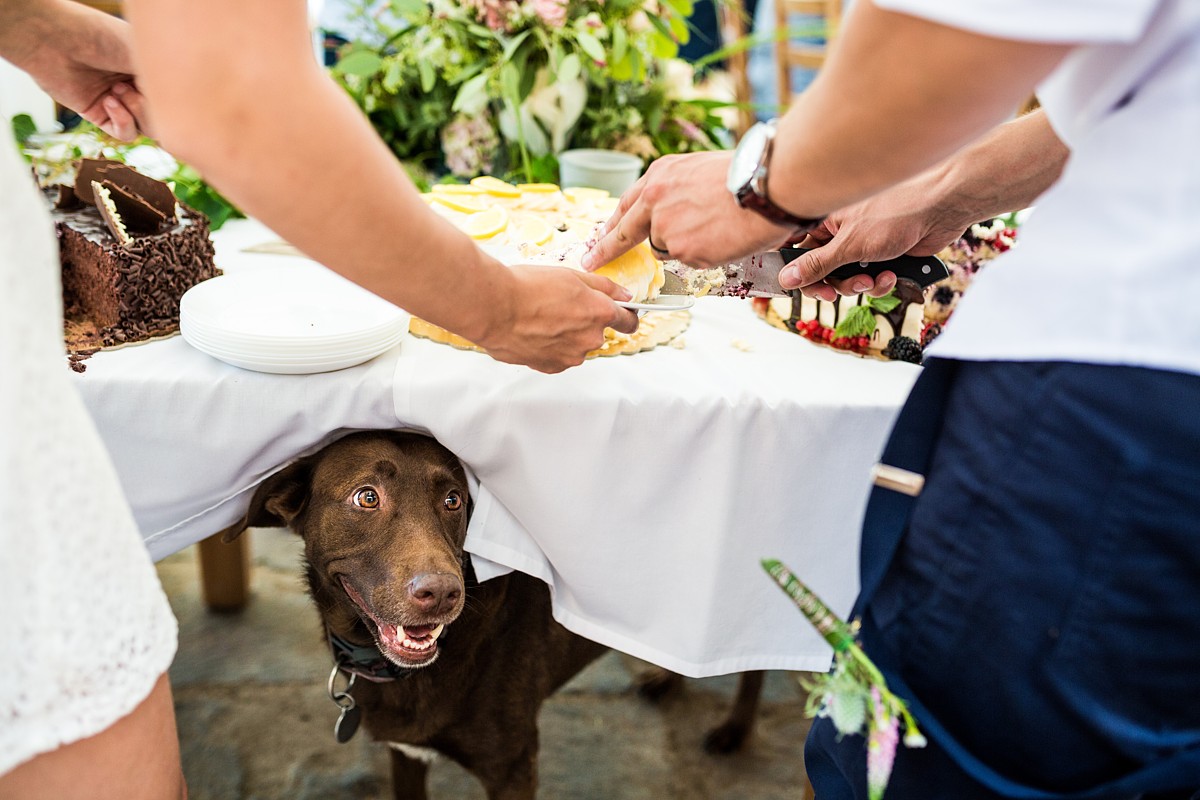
x: 225, y: 573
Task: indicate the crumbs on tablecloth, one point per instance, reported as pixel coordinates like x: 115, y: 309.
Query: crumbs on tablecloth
x: 679, y: 343
x: 741, y: 344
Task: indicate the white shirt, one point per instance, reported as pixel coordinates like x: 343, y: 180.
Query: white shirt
x: 1107, y: 270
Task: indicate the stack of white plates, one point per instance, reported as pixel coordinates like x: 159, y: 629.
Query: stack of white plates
x: 295, y: 318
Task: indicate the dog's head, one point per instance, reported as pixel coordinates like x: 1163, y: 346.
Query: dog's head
x: 383, y: 516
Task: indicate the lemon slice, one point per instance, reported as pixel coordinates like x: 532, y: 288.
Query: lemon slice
x: 606, y: 205
x: 455, y: 188
x: 583, y: 194
x: 427, y: 198
x: 533, y: 230
x: 486, y: 224
x: 538, y: 188
x: 459, y: 202
x: 495, y: 186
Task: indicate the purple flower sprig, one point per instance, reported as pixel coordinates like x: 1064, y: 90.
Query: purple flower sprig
x: 853, y: 694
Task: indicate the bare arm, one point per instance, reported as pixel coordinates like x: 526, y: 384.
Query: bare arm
x: 898, y: 95
x: 1005, y: 171
x: 246, y: 103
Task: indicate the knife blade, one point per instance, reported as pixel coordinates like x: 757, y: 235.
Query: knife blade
x: 758, y: 275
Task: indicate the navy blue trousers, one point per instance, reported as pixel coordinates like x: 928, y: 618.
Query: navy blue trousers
x: 1043, y: 603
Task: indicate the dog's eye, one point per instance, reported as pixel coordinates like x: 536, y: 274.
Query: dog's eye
x: 453, y: 501
x: 366, y: 498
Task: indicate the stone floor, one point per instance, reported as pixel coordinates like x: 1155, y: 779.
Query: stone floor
x: 255, y: 721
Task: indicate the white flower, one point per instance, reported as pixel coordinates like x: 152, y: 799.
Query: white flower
x: 557, y: 106
x: 679, y: 81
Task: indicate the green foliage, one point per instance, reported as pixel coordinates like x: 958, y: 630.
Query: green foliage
x: 430, y: 66
x: 23, y: 127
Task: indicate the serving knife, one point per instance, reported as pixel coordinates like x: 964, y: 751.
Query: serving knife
x: 758, y: 275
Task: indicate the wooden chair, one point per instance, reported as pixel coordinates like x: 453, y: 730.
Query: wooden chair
x: 803, y: 55
x: 731, y: 17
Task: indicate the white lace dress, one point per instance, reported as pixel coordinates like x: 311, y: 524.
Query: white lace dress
x: 85, y: 629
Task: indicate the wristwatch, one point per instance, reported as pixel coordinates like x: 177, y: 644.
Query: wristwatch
x: 747, y: 178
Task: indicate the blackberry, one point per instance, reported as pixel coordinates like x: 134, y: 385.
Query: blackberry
x: 902, y: 348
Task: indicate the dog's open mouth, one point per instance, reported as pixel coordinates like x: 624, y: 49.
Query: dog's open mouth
x: 405, y: 645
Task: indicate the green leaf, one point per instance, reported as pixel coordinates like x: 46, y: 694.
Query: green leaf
x: 620, y: 41
x: 510, y: 84
x: 513, y: 44
x: 23, y: 127
x: 884, y: 304
x: 362, y: 63
x: 410, y: 8
x: 859, y: 322
x: 472, y: 94
x: 679, y: 29
x: 591, y: 45
x: 570, y: 68
x: 428, y: 76
x: 622, y: 70
x: 683, y: 8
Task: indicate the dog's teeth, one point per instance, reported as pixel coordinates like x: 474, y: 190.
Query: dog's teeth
x: 436, y: 632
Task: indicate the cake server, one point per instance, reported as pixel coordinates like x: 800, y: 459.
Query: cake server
x: 758, y: 275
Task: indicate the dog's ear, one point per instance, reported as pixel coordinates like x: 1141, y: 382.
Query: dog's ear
x: 277, y: 501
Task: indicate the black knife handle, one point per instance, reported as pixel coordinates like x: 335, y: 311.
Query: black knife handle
x: 924, y: 270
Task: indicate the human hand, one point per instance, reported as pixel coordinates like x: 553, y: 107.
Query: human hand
x: 894, y: 222
x: 682, y: 206
x: 559, y: 317
x: 87, y: 66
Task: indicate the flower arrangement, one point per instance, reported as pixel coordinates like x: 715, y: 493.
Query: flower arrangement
x: 853, y: 694
x: 471, y: 87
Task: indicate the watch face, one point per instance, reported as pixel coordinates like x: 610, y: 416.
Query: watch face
x: 747, y: 156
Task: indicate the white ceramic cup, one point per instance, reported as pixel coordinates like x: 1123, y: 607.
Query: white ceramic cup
x: 610, y: 170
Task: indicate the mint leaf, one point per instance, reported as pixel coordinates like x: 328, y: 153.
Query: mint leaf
x: 859, y: 322
x: 23, y: 127
x: 884, y: 304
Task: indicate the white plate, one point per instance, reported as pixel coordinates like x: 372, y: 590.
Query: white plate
x: 664, y: 302
x: 283, y: 366
x: 294, y: 301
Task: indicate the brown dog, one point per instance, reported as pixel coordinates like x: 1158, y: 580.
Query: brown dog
x: 443, y: 664
x: 465, y: 666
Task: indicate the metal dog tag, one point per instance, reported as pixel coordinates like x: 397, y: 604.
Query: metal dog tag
x: 347, y: 724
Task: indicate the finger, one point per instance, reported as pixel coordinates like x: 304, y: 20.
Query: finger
x: 884, y: 283
x: 135, y: 102
x: 812, y: 267
x: 120, y: 124
x: 632, y: 228
x: 820, y: 291
x: 601, y: 284
x: 624, y: 320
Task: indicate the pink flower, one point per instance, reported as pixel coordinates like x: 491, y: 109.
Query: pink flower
x: 881, y: 746
x: 551, y: 12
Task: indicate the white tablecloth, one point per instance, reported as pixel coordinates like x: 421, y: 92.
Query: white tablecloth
x: 643, y: 489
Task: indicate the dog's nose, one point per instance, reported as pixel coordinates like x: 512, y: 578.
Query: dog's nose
x: 435, y: 592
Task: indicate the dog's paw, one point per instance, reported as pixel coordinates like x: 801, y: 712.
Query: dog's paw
x: 657, y: 684
x: 726, y: 739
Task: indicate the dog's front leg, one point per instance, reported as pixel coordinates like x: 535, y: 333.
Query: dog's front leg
x: 515, y: 779
x: 408, y: 776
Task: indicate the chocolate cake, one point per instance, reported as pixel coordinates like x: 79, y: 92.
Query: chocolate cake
x: 129, y: 251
